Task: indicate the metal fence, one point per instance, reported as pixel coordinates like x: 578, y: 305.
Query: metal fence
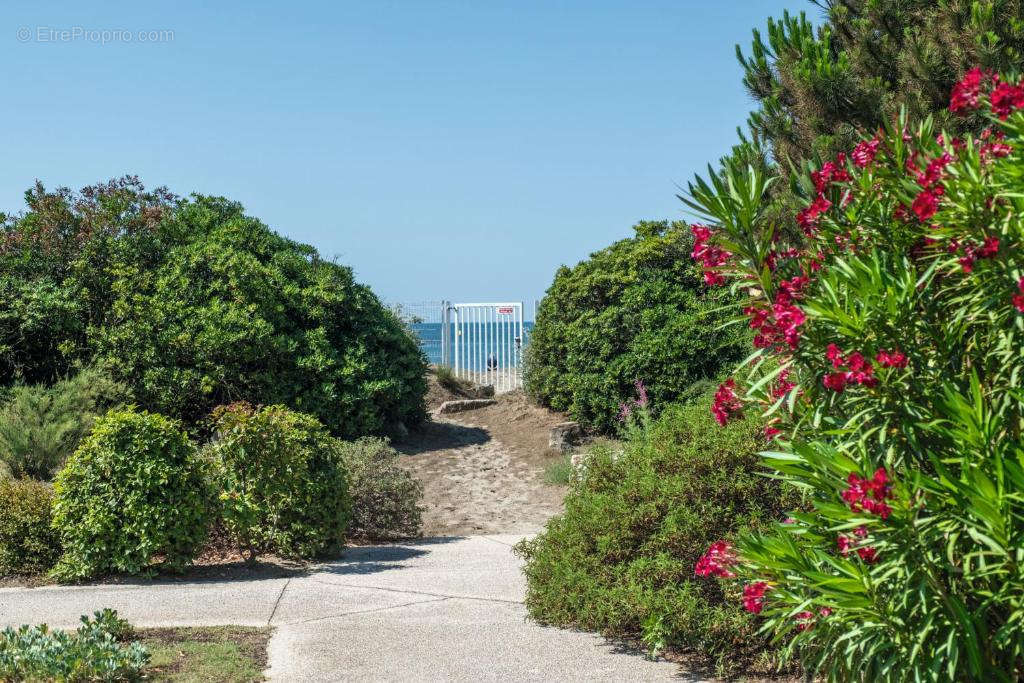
x: 481, y: 342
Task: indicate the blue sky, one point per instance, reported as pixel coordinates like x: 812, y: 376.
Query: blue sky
x: 459, y: 150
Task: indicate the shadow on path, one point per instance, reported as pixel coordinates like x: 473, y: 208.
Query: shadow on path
x: 439, y: 436
x: 378, y: 558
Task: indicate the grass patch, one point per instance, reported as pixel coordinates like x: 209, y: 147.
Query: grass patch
x: 559, y: 472
x: 447, y: 379
x: 234, y: 654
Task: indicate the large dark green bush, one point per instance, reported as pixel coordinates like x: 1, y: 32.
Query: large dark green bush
x: 637, y: 310
x: 134, y: 492
x: 385, y: 497
x: 94, y: 652
x: 194, y: 304
x: 621, y: 559
x: 40, y: 426
x: 28, y: 543
x: 282, y: 481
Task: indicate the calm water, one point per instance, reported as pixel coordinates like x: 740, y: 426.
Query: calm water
x: 476, y: 343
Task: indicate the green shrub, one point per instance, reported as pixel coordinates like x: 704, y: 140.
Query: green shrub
x: 634, y: 311
x: 41, y: 426
x: 620, y: 560
x: 92, y: 653
x: 192, y: 304
x: 385, y: 497
x: 133, y: 492
x: 559, y: 472
x: 899, y: 322
x: 282, y: 481
x: 28, y: 543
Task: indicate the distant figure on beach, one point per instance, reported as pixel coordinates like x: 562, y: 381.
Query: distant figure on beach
x: 492, y: 363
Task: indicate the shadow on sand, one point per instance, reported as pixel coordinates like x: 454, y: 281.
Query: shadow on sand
x: 439, y: 436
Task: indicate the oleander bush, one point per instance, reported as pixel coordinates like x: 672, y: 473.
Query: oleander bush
x: 134, y: 494
x: 282, y: 481
x: 385, y: 497
x: 620, y: 559
x: 40, y: 426
x: 192, y: 304
x: 635, y: 310
x: 94, y: 652
x: 894, y: 322
x: 28, y: 542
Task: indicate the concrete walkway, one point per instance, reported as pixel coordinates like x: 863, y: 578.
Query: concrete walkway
x: 444, y: 609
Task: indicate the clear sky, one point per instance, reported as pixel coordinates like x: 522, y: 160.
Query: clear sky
x: 443, y: 149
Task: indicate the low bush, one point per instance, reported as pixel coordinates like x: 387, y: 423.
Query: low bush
x: 40, y: 426
x: 895, y: 323
x: 282, y: 481
x: 620, y: 560
x: 636, y: 310
x: 385, y: 497
x: 95, y: 652
x: 132, y: 494
x: 28, y: 542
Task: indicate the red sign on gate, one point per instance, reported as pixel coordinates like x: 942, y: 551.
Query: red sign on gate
x: 506, y: 310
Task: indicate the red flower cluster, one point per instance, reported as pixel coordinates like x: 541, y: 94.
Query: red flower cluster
x: 926, y: 204
x: 966, y: 92
x: 864, y: 153
x: 1018, y: 299
x: 716, y: 561
x: 988, y: 249
x: 726, y: 404
x: 753, y: 596
x: 1003, y: 99
x: 708, y: 254
x: 891, y: 359
x: 779, y: 327
x: 808, y: 218
x: 869, y: 494
x: 859, y: 370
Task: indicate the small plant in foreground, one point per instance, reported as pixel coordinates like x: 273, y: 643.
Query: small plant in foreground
x: 134, y: 493
x: 92, y: 653
x: 894, y: 328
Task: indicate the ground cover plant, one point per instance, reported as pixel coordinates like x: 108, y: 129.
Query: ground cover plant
x: 620, y: 559
x: 133, y: 493
x: 96, y: 651
x: 893, y: 315
x: 636, y: 310
x: 281, y: 481
x: 192, y: 304
x: 226, y: 654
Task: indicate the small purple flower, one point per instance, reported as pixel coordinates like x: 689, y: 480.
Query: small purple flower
x: 641, y: 392
x: 625, y: 410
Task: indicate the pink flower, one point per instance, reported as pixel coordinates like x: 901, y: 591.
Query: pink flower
x: 771, y: 432
x: 804, y: 620
x: 891, y: 359
x: 844, y: 544
x: 965, y: 93
x: 753, y: 596
x: 868, y: 494
x: 833, y: 354
x: 864, y: 153
x: 808, y: 217
x: 868, y: 554
x: 641, y: 393
x: 726, y: 404
x: 925, y: 205
x: 836, y: 381
x: 1005, y: 98
x: 716, y: 561
x: 990, y: 248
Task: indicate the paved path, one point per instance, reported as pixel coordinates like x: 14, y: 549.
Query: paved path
x: 432, y: 610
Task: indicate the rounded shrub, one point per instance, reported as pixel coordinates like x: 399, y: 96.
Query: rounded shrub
x: 636, y: 310
x: 134, y: 493
x: 385, y: 497
x: 282, y: 481
x: 193, y: 304
x: 28, y: 543
x: 620, y: 560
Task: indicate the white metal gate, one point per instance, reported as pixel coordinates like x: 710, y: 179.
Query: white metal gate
x: 483, y: 342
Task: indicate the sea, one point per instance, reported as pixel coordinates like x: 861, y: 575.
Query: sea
x: 479, y: 342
